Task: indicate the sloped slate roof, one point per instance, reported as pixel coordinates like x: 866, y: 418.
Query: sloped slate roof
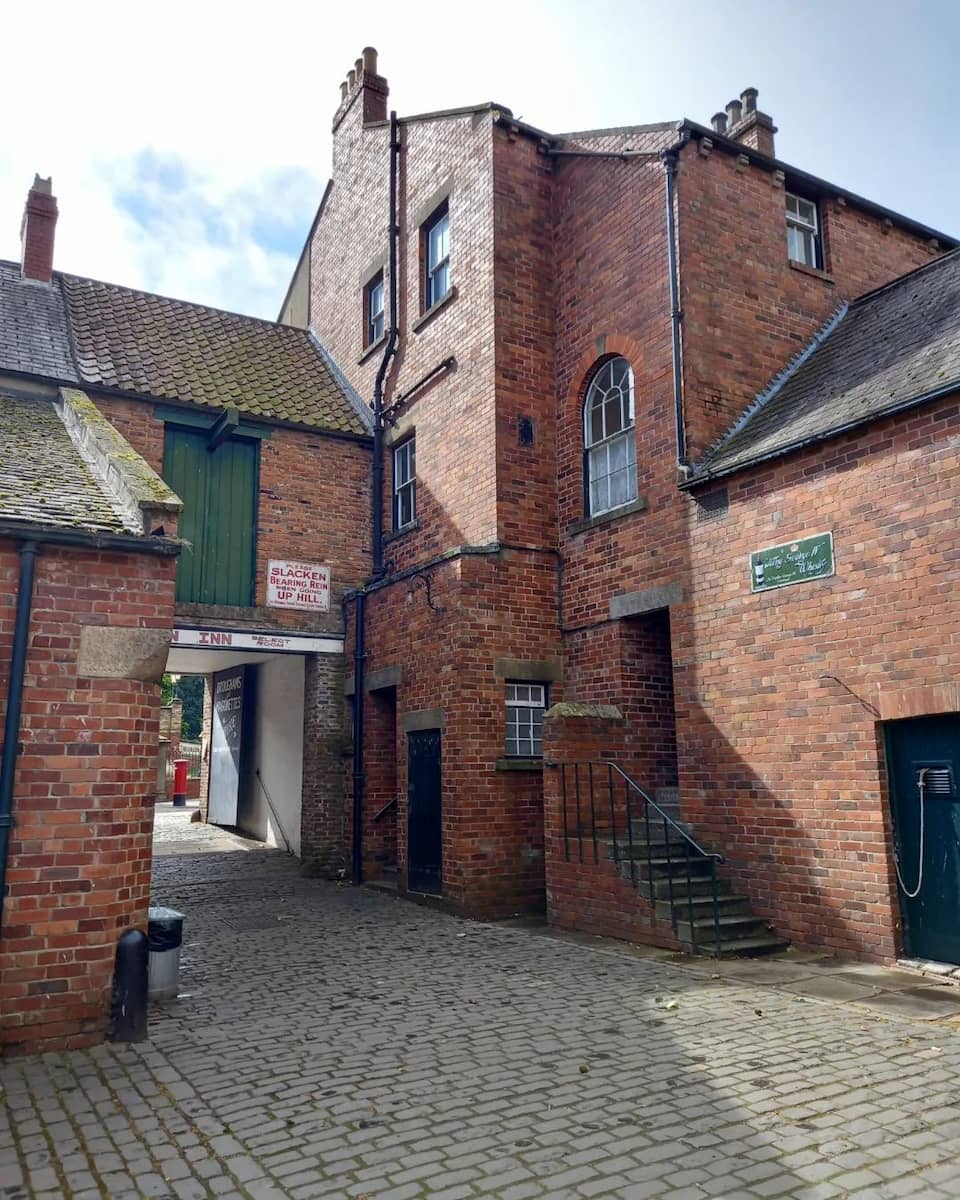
x: 155, y: 346
x: 43, y: 477
x: 891, y: 347
x: 33, y: 327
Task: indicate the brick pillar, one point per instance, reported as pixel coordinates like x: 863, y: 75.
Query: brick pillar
x: 574, y: 733
x: 324, y: 824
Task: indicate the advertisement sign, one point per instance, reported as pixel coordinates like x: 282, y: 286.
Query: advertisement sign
x: 793, y: 562
x: 298, y: 585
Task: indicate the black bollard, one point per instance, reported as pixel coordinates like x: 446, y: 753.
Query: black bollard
x: 128, y: 1008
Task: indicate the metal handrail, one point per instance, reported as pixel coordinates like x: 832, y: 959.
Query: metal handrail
x: 666, y: 816
x: 688, y: 842
x: 383, y: 811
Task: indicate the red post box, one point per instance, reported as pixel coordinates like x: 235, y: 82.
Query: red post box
x: 180, y: 766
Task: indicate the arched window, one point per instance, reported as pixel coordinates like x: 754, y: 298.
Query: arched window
x: 610, y: 449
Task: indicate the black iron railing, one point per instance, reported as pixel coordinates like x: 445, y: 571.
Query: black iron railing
x: 601, y: 804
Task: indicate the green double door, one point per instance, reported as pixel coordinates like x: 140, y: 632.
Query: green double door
x: 923, y: 758
x: 218, y: 486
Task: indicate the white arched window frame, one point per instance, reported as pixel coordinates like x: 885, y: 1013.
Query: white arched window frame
x: 609, y: 443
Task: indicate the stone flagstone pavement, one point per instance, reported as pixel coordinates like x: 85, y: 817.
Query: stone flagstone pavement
x: 337, y: 1042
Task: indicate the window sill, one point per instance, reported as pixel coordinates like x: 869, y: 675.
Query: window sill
x: 372, y: 348
x: 814, y: 272
x: 394, y: 534
x: 519, y: 764
x: 426, y: 317
x: 625, y: 510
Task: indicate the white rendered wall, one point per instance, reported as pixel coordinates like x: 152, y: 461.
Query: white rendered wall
x: 278, y: 751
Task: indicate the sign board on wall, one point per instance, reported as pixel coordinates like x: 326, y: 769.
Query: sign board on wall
x: 245, y: 639
x: 793, y: 562
x: 298, y: 585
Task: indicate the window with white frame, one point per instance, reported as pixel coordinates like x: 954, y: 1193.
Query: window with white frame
x: 436, y: 257
x: 373, y: 310
x: 526, y: 704
x: 405, y: 484
x: 803, y: 231
x: 610, y: 448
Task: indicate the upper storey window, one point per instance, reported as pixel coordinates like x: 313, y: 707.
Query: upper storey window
x: 436, y: 257
x: 373, y: 310
x: 610, y: 448
x: 803, y: 231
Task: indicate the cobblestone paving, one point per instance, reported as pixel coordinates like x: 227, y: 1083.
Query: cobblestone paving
x: 336, y: 1042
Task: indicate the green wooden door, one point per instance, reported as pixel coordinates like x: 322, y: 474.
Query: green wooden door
x: 219, y: 519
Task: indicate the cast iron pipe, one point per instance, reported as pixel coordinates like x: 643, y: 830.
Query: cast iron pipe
x: 359, y: 652
x: 11, y: 725
x: 388, y: 352
x: 676, y: 314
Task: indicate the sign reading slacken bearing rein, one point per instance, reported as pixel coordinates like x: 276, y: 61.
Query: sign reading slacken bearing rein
x: 793, y: 562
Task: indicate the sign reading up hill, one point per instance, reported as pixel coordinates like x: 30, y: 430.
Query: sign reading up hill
x: 793, y: 562
x: 298, y: 585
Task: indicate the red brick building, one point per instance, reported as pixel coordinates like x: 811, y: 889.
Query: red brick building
x: 579, y: 324
x: 250, y: 454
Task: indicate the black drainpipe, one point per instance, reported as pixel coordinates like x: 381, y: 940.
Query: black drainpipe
x: 670, y: 158
x: 376, y: 513
x: 388, y: 352
x: 359, y: 651
x: 11, y: 727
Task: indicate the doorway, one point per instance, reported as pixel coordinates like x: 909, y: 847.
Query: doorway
x: 424, y: 812
x: 923, y: 756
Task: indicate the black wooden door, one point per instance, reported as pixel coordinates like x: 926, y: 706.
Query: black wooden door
x: 424, y: 837
x: 924, y: 756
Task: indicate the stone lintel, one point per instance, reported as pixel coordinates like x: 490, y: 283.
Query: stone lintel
x: 533, y: 670
x: 636, y: 604
x: 424, y: 718
x: 108, y: 652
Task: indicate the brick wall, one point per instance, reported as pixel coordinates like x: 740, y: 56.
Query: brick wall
x: 585, y: 889
x: 323, y: 819
x: 453, y: 418
x: 746, y: 309
x: 79, y: 867
x: 779, y: 694
x: 313, y: 506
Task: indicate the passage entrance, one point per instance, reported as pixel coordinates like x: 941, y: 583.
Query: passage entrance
x: 424, y: 838
x: 924, y: 765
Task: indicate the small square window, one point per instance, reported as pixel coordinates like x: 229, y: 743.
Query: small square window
x: 373, y: 310
x: 436, y: 257
x: 405, y: 484
x: 803, y: 231
x: 526, y: 704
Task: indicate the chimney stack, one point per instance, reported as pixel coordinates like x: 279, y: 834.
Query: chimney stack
x: 363, y: 81
x: 745, y: 123
x: 719, y: 122
x: 37, y: 230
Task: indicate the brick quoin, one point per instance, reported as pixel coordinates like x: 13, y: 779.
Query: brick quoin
x: 80, y: 856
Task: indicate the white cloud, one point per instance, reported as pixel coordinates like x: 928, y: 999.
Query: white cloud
x: 241, y: 95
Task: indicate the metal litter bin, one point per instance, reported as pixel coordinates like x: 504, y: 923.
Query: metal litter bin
x: 164, y: 939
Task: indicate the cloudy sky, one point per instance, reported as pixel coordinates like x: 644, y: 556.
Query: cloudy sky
x: 189, y: 143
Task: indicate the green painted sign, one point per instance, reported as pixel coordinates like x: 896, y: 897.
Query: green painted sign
x: 793, y: 562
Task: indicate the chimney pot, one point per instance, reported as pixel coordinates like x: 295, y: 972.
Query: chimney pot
x: 734, y: 112
x: 344, y: 89
x: 37, y: 231
x: 749, y: 99
x: 719, y: 122
x: 369, y: 60
x: 358, y: 67
x: 351, y: 80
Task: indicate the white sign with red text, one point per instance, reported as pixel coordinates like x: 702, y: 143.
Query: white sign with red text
x: 298, y: 585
